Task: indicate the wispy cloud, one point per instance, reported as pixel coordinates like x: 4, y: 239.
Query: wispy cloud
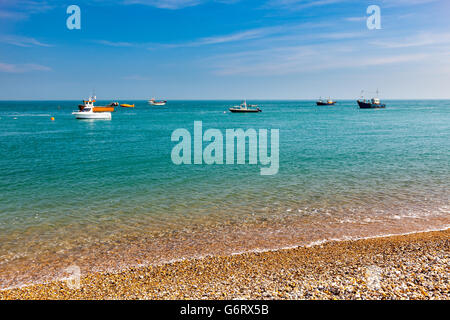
x: 115, y: 43
x: 420, y: 40
x: 300, y: 4
x: 166, y: 4
x: 399, y: 3
x: 244, y: 35
x: 22, y: 9
x: 22, y: 68
x: 301, y: 59
x: 355, y: 19
x: 295, y: 5
x: 12, y: 15
x: 170, y: 4
x: 274, y: 33
x: 233, y: 37
x: 21, y: 41
x: 277, y: 32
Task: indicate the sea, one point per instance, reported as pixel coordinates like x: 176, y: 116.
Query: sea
x: 105, y: 195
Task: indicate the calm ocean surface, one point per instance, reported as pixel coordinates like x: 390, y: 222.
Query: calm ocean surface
x: 105, y: 195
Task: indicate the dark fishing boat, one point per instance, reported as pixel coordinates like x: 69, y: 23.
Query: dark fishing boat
x: 245, y: 108
x: 373, y: 103
x: 329, y: 102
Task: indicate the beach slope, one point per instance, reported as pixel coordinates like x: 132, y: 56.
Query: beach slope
x: 414, y: 266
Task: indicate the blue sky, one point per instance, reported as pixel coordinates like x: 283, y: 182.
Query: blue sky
x: 224, y: 49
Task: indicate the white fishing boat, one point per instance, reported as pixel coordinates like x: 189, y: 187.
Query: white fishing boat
x: 245, y: 108
x: 153, y: 102
x: 88, y: 111
x: 90, y: 104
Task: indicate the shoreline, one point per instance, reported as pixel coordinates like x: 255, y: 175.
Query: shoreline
x: 410, y: 266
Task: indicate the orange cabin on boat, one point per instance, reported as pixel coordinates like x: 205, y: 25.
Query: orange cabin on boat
x: 103, y: 109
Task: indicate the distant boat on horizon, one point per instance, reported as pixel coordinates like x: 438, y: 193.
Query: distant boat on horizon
x: 245, y: 108
x: 329, y: 102
x: 153, y: 102
x: 373, y: 103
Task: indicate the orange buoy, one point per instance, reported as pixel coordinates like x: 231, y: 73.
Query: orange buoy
x: 52, y: 118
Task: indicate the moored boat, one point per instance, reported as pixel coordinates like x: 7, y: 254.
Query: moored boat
x: 153, y: 102
x: 125, y: 105
x: 245, y: 108
x: 90, y: 104
x: 373, y: 103
x: 329, y: 102
x: 88, y: 113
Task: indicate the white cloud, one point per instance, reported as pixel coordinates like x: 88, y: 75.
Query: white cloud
x: 22, y: 9
x: 266, y: 34
x: 22, y: 68
x: 399, y: 3
x: 12, y: 15
x: 355, y: 19
x: 305, y: 4
x: 300, y: 4
x: 21, y: 41
x: 301, y: 59
x: 233, y: 37
x: 115, y: 43
x: 420, y: 40
x: 166, y: 4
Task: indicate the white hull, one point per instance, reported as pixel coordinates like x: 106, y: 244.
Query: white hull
x: 154, y: 102
x: 93, y: 115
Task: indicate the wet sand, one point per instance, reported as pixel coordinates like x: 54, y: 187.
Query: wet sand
x: 414, y: 266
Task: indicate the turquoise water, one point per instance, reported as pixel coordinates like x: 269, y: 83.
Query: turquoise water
x: 106, y: 195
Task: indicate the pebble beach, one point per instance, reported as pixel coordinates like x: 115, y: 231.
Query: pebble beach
x: 413, y: 266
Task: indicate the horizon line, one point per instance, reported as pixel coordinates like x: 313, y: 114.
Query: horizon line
x: 223, y: 99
